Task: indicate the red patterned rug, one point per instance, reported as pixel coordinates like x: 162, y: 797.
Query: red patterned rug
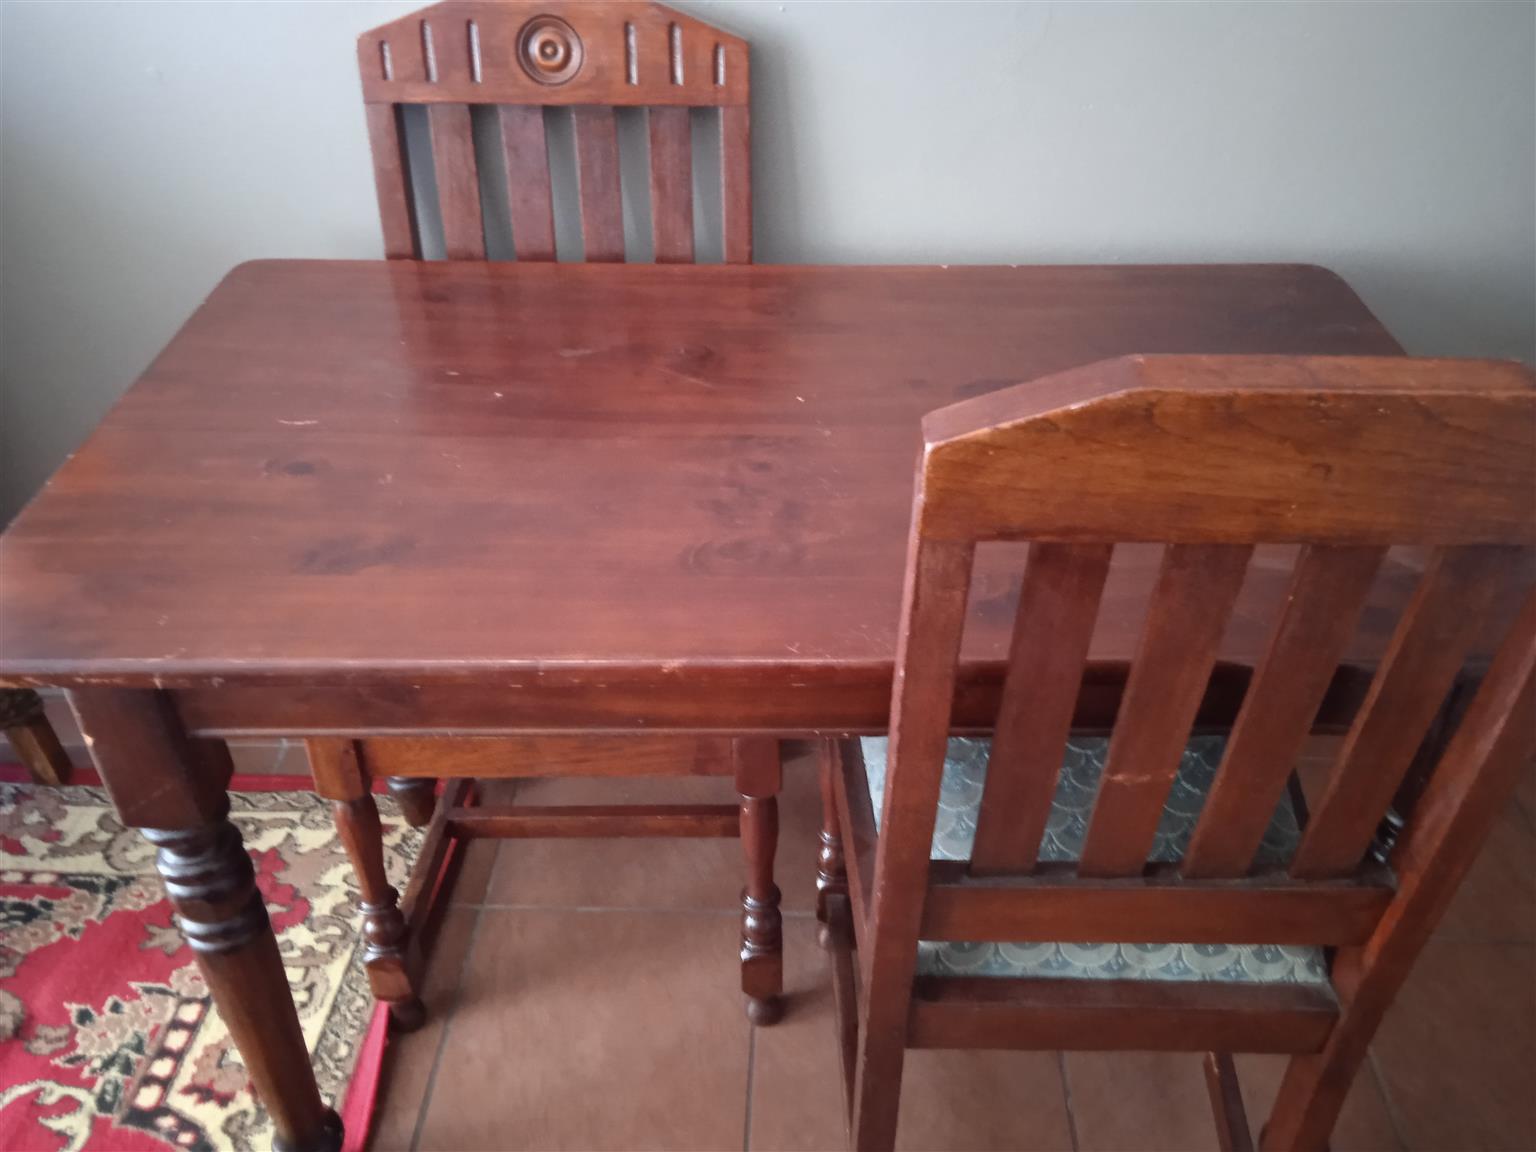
x: 108, y: 1039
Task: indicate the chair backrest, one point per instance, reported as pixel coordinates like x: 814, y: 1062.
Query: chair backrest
x: 524, y: 58
x: 1209, y: 456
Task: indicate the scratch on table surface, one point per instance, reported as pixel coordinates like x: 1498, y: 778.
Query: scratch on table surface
x: 572, y: 353
x: 298, y: 423
x: 690, y: 377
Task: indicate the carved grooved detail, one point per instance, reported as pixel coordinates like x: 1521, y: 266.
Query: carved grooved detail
x: 209, y: 878
x: 384, y: 927
x: 831, y: 868
x: 761, y: 924
x: 831, y: 873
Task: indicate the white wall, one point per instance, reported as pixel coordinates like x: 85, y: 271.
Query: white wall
x: 147, y: 147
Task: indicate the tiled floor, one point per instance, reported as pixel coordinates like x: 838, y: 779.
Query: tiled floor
x: 583, y: 995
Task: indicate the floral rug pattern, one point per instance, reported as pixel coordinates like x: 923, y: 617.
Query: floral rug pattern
x: 108, y: 1039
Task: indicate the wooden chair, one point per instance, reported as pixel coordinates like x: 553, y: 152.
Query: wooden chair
x: 524, y: 62
x: 1297, y: 930
x: 32, y: 737
x: 529, y: 60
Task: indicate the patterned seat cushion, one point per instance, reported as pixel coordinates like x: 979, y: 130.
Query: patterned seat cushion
x: 965, y: 772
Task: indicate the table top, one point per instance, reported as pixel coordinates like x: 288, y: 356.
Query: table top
x: 384, y: 471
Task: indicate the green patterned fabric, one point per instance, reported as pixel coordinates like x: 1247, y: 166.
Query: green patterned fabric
x: 965, y: 773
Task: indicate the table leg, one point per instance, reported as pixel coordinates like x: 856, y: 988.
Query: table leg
x: 341, y: 778
x: 831, y: 874
x: 32, y: 738
x: 175, y: 790
x: 417, y: 798
x: 758, y: 779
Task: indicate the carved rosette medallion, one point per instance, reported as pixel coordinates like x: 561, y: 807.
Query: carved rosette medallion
x: 549, y: 50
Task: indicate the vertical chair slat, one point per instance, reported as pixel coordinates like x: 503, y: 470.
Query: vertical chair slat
x: 529, y: 200
x: 933, y: 613
x: 458, y: 183
x: 1471, y: 786
x: 1195, y: 593
x: 1327, y: 591
x: 1058, y: 606
x: 602, y: 206
x: 736, y: 183
x: 1430, y: 645
x: 698, y: 58
x: 1482, y: 762
x: 671, y: 185
x: 392, y: 182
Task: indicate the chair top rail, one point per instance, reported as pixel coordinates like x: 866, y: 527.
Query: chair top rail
x: 1241, y: 449
x: 562, y: 52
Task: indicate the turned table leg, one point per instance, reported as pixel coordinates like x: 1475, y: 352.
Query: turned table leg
x: 174, y: 789
x: 33, y: 738
x: 762, y: 944
x: 341, y: 778
x: 831, y: 874
x: 417, y: 798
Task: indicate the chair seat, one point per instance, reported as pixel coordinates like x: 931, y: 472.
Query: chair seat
x: 965, y: 773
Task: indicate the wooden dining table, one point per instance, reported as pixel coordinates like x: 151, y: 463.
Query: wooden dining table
x: 363, y: 498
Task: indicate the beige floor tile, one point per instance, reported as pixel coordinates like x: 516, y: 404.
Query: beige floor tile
x: 474, y: 877
x: 797, y: 1095
x: 647, y: 873
x: 955, y: 1101
x: 1496, y: 903
x: 1365, y: 1124
x: 410, y: 1057
x: 949, y: 1100
x: 594, y: 1030
x: 1456, y: 1052
x: 1525, y: 794
x: 1155, y: 1101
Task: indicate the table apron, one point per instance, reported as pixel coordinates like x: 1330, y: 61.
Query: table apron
x: 833, y: 705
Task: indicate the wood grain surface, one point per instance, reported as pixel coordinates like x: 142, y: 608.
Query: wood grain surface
x: 387, y: 476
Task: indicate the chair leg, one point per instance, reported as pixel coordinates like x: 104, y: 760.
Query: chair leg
x: 1232, y: 1133
x: 845, y: 993
x: 417, y: 798
x: 1311, y: 1097
x: 31, y: 736
x: 831, y: 875
x: 341, y: 779
x: 758, y: 780
x: 876, y: 1088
